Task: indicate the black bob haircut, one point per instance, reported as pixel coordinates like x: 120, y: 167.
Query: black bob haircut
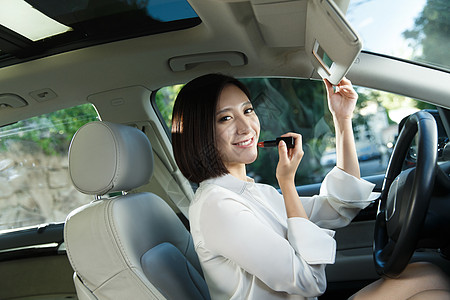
x: 193, y: 127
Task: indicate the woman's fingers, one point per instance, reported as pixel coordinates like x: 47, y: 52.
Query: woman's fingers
x: 342, y: 100
x: 289, y: 159
x: 329, y: 87
x: 298, y: 145
x: 291, y: 155
x: 283, y: 153
x: 344, y: 87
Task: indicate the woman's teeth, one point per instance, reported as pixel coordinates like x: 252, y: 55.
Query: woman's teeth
x: 245, y: 143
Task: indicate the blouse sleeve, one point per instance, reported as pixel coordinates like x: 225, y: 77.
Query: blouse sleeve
x: 295, y: 264
x: 341, y: 198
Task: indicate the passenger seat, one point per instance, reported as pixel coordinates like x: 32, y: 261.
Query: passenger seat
x: 132, y: 245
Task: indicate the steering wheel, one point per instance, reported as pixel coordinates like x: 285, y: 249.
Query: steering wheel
x: 405, y: 196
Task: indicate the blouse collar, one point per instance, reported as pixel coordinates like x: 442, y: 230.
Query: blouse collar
x: 230, y: 182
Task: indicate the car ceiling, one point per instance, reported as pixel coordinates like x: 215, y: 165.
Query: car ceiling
x: 235, y: 37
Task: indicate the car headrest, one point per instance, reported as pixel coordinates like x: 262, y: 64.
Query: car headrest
x: 105, y: 157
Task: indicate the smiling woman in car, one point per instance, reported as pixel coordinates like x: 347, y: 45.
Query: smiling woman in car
x: 254, y: 243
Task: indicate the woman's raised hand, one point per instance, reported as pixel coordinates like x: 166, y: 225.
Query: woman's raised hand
x: 342, y: 99
x: 289, y: 158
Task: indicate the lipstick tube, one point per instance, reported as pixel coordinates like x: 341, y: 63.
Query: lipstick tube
x: 289, y: 140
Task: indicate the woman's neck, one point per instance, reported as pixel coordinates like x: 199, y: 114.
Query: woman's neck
x: 238, y: 171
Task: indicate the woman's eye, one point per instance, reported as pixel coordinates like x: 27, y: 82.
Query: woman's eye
x: 248, y: 110
x: 223, y: 119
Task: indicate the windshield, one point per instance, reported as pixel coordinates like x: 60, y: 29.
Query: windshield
x: 417, y: 30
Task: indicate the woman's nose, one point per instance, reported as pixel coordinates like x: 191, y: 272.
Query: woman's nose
x: 242, y: 125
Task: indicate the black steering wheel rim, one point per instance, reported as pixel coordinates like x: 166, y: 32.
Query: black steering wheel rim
x: 393, y: 249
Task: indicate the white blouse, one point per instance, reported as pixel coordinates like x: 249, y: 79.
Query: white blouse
x: 249, y: 249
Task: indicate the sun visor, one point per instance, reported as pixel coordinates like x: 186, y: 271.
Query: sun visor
x: 330, y: 42
x: 281, y: 22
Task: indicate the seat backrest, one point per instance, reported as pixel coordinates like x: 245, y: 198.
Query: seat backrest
x: 130, y: 246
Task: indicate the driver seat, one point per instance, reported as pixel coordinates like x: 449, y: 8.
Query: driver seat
x: 129, y: 246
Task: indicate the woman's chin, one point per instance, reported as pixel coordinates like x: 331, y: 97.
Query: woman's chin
x: 251, y: 159
x: 240, y: 159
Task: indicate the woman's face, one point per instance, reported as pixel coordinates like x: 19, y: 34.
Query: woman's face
x: 237, y: 128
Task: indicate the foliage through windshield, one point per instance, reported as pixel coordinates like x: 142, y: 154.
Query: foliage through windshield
x: 417, y: 30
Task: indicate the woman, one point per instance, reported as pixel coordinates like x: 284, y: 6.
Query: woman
x: 252, y: 242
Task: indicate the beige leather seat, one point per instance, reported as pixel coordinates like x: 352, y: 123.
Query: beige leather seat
x: 130, y: 246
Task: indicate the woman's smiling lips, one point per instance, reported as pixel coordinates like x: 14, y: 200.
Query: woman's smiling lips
x: 246, y: 143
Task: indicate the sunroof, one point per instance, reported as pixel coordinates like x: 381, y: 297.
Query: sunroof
x: 80, y: 23
x: 14, y: 12
x: 170, y: 10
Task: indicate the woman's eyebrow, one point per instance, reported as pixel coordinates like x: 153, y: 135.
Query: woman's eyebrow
x: 222, y: 110
x: 229, y: 108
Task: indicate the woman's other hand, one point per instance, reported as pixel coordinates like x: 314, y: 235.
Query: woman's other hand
x: 342, y: 102
x: 289, y: 159
x: 342, y: 99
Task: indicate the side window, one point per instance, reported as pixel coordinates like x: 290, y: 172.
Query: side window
x: 165, y: 99
x: 35, y: 187
x: 286, y: 104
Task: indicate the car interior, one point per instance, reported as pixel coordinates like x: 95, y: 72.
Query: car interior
x: 122, y: 229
